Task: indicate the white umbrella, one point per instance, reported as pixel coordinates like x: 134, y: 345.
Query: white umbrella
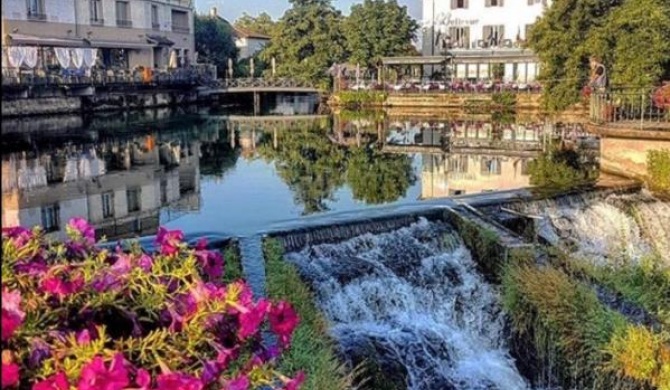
x: 230, y: 68
x: 173, y: 59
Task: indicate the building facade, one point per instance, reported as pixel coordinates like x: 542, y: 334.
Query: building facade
x: 123, y: 34
x: 249, y: 43
x: 483, y: 29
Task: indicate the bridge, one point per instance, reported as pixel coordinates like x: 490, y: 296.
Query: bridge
x: 260, y: 85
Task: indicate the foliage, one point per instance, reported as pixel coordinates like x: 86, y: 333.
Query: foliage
x: 643, y: 355
x: 375, y: 177
x: 361, y: 98
x: 504, y: 99
x: 307, y: 41
x: 312, y: 349
x: 658, y: 166
x: 218, y: 157
x: 262, y: 23
x: 214, y: 41
x: 77, y: 315
x: 561, y: 169
x: 631, y: 37
x: 376, y: 29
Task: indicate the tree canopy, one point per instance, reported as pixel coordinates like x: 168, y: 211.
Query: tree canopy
x: 378, y: 28
x: 307, y: 41
x: 214, y: 41
x: 262, y: 23
x: 630, y: 35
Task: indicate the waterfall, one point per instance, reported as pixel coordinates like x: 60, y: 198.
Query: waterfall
x: 412, y: 300
x: 606, y: 230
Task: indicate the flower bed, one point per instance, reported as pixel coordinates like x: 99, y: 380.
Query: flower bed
x: 76, y: 316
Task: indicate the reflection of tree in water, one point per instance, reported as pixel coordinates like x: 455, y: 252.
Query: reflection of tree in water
x: 376, y: 177
x: 562, y: 168
x: 218, y: 156
x: 309, y: 164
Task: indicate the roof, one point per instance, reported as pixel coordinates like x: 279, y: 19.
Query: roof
x: 244, y: 33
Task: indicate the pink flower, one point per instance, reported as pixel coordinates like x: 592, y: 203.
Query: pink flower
x: 178, y: 381
x: 95, y: 376
x: 181, y: 310
x: 143, y: 379
x: 10, y: 371
x: 63, y: 284
x: 169, y: 240
x: 251, y: 319
x: 240, y: 383
x: 12, y: 315
x: 54, y: 382
x: 211, y: 263
x: 295, y: 383
x: 82, y: 227
x: 19, y: 236
x: 145, y: 262
x: 283, y: 321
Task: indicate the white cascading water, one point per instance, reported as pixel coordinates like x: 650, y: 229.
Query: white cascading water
x: 413, y: 298
x: 608, y: 229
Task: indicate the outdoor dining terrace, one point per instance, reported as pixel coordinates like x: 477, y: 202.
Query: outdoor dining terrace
x: 434, y: 86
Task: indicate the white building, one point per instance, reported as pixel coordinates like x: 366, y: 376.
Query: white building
x: 249, y: 42
x: 483, y: 29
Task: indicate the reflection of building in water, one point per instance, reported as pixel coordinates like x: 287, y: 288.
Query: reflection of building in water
x: 119, y: 187
x: 483, y: 157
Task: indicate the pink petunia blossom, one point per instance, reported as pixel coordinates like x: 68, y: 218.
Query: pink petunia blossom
x: 178, y: 381
x: 211, y: 263
x: 12, y: 315
x: 19, y: 236
x: 10, y: 371
x: 169, y: 240
x: 86, y: 231
x: 251, y: 319
x: 63, y: 284
x: 296, y: 382
x: 54, y: 382
x: 283, y: 321
x: 143, y: 379
x: 240, y: 383
x: 145, y: 262
x: 95, y: 376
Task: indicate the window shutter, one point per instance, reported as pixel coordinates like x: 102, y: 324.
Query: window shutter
x: 501, y: 3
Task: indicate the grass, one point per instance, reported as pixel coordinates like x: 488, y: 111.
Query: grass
x: 658, y: 166
x: 312, y: 349
x: 233, y: 263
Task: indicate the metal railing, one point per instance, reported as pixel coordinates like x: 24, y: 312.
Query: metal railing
x: 634, y: 106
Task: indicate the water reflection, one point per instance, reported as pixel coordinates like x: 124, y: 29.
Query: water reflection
x: 214, y: 171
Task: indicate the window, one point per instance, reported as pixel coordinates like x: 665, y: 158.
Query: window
x: 134, y: 200
x: 123, y: 14
x: 51, y: 217
x: 108, y: 204
x: 460, y: 37
x: 96, y: 11
x: 459, y: 4
x: 494, y: 3
x: 36, y: 10
x: 155, y: 24
x: 491, y: 166
x: 494, y: 35
x: 180, y: 21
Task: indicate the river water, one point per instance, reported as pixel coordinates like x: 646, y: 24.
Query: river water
x: 229, y: 172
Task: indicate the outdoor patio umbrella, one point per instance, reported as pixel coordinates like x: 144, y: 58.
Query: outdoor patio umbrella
x: 251, y: 67
x: 173, y: 59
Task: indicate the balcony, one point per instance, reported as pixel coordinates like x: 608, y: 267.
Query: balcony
x: 181, y: 29
x: 125, y: 23
x: 36, y: 16
x: 97, y: 22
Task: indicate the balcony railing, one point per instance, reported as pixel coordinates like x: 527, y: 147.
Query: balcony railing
x: 124, y: 23
x: 36, y: 16
x: 180, y: 29
x: 629, y: 106
x: 97, y: 22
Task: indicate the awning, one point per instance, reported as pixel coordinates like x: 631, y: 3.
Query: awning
x: 29, y: 40
x: 120, y: 45
x: 159, y: 40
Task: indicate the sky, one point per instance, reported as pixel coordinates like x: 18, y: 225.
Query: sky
x: 232, y: 9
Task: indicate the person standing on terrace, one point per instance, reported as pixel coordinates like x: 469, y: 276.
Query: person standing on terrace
x: 598, y: 79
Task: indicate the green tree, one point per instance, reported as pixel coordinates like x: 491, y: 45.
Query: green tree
x: 307, y: 41
x: 562, y: 168
x: 378, y: 28
x: 214, y: 41
x: 375, y: 177
x: 262, y: 23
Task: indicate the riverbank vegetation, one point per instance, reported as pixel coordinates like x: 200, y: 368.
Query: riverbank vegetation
x: 357, y: 99
x: 562, y: 168
x: 631, y: 37
x: 312, y: 350
x: 658, y: 166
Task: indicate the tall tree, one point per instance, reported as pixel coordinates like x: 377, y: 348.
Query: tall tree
x: 214, y: 41
x: 379, y: 28
x: 307, y: 40
x: 262, y: 23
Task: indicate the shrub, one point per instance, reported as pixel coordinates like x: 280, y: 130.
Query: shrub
x: 658, y: 165
x: 75, y: 315
x: 361, y: 98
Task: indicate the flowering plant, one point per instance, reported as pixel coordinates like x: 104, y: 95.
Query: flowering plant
x: 75, y: 316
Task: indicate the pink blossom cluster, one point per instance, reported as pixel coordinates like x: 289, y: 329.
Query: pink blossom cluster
x: 75, y: 316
